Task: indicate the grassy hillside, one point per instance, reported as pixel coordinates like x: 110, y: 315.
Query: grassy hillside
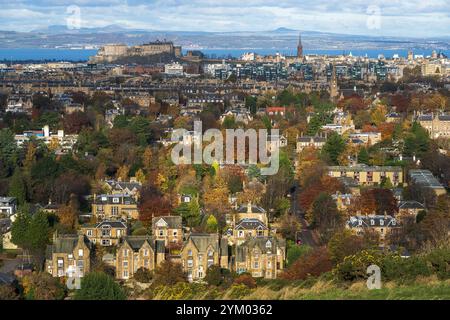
x: 429, y: 288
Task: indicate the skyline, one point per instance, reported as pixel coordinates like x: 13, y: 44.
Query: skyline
x: 373, y: 18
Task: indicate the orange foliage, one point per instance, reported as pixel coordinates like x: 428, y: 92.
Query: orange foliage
x: 313, y: 264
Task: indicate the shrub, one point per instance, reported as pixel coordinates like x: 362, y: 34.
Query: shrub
x: 143, y: 275
x: 42, y: 286
x: 295, y: 251
x: 217, y: 276
x: 8, y: 292
x: 246, y: 280
x: 238, y: 291
x: 354, y: 267
x: 397, y: 268
x: 140, y: 232
x: 439, y: 262
x: 180, y: 291
x: 99, y: 286
x: 313, y: 264
x: 343, y: 244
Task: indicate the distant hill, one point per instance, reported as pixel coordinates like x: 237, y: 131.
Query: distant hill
x: 282, y: 38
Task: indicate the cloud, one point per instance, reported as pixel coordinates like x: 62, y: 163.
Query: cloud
x: 396, y: 17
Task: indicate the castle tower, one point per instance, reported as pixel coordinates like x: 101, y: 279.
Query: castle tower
x: 299, y: 47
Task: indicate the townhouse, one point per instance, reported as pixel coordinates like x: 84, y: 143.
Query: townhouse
x: 201, y: 251
x: 135, y: 252
x: 105, y: 233
x: 368, y: 175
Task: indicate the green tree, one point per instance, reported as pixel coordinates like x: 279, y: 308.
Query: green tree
x: 17, y: 187
x: 363, y: 156
x: 99, y: 286
x: 8, y: 152
x: 31, y: 233
x: 334, y: 147
x: 250, y: 104
x: 19, y: 229
x: 212, y: 224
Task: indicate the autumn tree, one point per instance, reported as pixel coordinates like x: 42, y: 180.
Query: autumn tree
x: 75, y: 122
x: 168, y: 273
x: 313, y: 263
x: 289, y: 226
x: 345, y: 243
x: 152, y: 204
x: 67, y: 217
x: 42, y: 286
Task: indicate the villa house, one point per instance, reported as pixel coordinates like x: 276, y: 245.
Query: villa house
x: 382, y: 224
x: 262, y: 257
x: 69, y: 255
x: 115, y: 207
x: 246, y: 229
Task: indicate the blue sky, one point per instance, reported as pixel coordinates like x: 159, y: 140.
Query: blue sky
x: 416, y: 18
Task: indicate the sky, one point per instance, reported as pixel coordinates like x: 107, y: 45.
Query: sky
x: 403, y: 18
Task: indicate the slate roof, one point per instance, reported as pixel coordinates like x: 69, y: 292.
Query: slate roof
x: 255, y: 209
x: 261, y: 242
x: 410, y: 204
x: 173, y: 222
x: 136, y: 242
x: 120, y: 185
x: 6, y: 278
x: 203, y: 241
x: 362, y: 168
x: 250, y: 224
x: 425, y: 178
x: 106, y: 223
x: 108, y: 199
x: 309, y: 138
x: 7, y: 200
x: 372, y: 221
x: 63, y: 244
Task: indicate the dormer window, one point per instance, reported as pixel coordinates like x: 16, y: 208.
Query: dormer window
x: 381, y: 222
x: 372, y: 222
x: 115, y: 200
x: 268, y: 244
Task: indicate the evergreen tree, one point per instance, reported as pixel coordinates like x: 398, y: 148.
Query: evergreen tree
x: 17, y: 188
x: 334, y: 147
x: 19, y: 229
x: 363, y: 156
x: 99, y: 286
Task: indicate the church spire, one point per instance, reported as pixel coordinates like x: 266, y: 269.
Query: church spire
x: 299, y: 46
